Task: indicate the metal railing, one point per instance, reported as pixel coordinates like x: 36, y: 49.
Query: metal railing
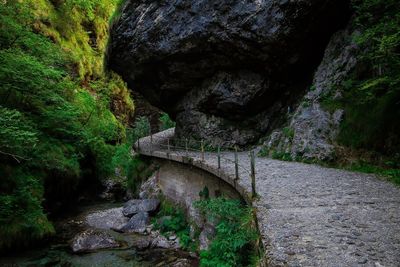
x: 190, y: 148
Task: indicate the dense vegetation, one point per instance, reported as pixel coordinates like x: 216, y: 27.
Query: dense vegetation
x: 63, y: 120
x: 375, y: 87
x: 234, y: 242
x: 372, y: 93
x: 172, y: 220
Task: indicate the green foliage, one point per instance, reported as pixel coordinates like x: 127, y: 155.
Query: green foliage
x: 233, y: 243
x: 137, y: 171
x: 17, y: 136
x: 372, y: 94
x: 282, y: 156
x: 56, y: 109
x: 205, y: 193
x: 275, y: 154
x: 172, y: 220
x: 80, y: 27
x: 21, y: 215
x: 288, y: 132
x: 392, y: 174
x: 166, y: 122
x: 141, y: 128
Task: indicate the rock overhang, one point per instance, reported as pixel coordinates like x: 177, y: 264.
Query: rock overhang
x: 220, y: 67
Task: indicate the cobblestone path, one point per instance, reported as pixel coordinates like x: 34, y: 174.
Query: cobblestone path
x: 309, y: 215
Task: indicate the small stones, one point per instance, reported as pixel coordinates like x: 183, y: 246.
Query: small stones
x: 290, y: 252
x: 355, y: 233
x: 363, y: 261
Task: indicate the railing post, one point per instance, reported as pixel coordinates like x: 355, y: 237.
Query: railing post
x: 253, y: 174
x: 168, y: 148
x: 236, y: 164
x: 219, y: 157
x: 187, y: 147
x: 202, y: 150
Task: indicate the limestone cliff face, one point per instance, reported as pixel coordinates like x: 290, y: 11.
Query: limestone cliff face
x: 311, y: 130
x: 227, y: 71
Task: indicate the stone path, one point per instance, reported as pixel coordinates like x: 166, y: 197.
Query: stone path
x: 309, y: 215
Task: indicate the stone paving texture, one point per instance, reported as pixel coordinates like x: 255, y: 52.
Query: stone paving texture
x: 308, y: 215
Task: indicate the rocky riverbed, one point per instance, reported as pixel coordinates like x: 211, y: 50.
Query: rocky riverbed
x: 108, y: 235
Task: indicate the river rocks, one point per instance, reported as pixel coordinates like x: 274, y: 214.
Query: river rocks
x: 91, y: 240
x: 107, y: 219
x: 137, y: 223
x: 141, y: 242
x: 150, y: 188
x: 225, y: 70
x: 160, y: 241
x: 140, y: 205
x: 312, y: 130
x: 206, y: 236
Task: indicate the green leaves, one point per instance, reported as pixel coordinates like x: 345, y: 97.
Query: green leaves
x: 232, y: 245
x: 166, y: 122
x: 56, y: 109
x: 371, y: 96
x: 17, y: 136
x: 171, y: 219
x: 21, y: 214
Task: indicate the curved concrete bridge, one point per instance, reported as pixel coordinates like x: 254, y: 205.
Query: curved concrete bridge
x: 308, y: 215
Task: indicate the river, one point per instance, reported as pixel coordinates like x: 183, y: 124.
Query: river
x: 57, y: 252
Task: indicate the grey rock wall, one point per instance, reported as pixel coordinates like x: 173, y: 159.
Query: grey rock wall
x: 227, y: 71
x: 313, y: 127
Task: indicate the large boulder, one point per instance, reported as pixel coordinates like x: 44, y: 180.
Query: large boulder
x: 226, y: 71
x: 91, y: 240
x: 107, y: 219
x: 137, y: 224
x: 150, y: 188
x: 135, y: 206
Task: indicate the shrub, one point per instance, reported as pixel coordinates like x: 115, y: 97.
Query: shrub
x: 141, y: 128
x: 175, y: 223
x: 22, y: 219
x: 233, y: 244
x: 166, y: 122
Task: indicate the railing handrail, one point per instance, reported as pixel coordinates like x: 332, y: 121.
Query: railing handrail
x: 173, y: 145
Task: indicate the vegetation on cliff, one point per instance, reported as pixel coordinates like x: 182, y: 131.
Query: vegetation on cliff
x: 349, y: 116
x: 372, y: 93
x: 63, y: 120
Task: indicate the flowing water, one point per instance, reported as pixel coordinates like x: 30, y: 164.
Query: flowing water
x: 58, y: 252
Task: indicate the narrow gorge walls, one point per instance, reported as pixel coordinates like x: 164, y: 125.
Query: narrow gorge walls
x: 227, y: 71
